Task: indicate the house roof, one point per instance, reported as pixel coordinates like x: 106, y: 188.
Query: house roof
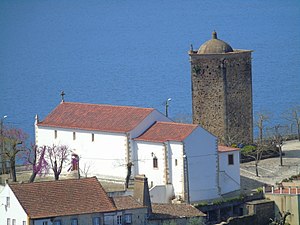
x: 168, y: 211
x: 167, y: 131
x: 62, y: 197
x: 95, y: 117
x: 126, y: 202
x: 222, y: 148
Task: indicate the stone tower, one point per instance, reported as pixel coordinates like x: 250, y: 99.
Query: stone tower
x: 222, y: 91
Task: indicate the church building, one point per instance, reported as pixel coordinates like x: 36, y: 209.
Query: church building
x: 181, y: 161
x: 222, y: 91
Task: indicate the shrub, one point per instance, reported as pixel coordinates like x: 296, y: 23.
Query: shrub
x: 248, y: 149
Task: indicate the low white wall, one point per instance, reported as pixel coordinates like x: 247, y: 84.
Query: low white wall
x: 161, y: 193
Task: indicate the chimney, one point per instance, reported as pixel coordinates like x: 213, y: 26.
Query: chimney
x: 141, y: 191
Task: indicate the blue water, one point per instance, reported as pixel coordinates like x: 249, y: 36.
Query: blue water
x: 135, y: 52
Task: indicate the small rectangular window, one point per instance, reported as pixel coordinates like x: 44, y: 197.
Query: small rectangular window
x: 74, y: 222
x: 108, y: 219
x: 155, y: 163
x: 74, y: 136
x: 8, y: 221
x: 175, y: 162
x: 96, y: 221
x: 7, y: 202
x: 13, y: 221
x: 24, y: 223
x: 93, y: 137
x: 128, y: 218
x: 119, y: 219
x: 230, y: 159
x: 55, y: 134
x: 45, y: 223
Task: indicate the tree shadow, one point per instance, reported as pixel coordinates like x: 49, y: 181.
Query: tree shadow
x: 291, y: 153
x: 248, y: 184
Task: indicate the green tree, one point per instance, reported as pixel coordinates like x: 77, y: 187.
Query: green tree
x: 196, y: 221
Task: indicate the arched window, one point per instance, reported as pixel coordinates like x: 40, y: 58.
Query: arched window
x: 155, y: 165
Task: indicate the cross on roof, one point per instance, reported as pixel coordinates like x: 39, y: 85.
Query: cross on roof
x: 62, y: 94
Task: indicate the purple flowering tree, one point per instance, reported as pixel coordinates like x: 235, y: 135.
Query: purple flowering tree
x: 58, y: 156
x: 35, y: 157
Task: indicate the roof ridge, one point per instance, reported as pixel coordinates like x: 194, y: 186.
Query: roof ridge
x: 53, y: 181
x: 177, y: 123
x: 109, y: 105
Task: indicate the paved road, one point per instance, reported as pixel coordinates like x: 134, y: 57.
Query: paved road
x: 270, y: 171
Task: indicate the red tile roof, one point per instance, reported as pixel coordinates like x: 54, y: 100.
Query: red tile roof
x: 95, y: 117
x: 62, y: 197
x: 167, y: 131
x: 168, y: 211
x: 222, y: 148
x: 126, y: 202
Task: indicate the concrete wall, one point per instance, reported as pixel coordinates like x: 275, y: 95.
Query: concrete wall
x: 161, y: 193
x: 178, y: 221
x: 245, y: 220
x: 229, y: 174
x: 263, y: 209
x: 222, y: 94
x: 200, y: 148
x: 286, y: 203
x: 14, y: 210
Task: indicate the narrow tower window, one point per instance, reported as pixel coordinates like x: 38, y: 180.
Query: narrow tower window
x: 93, y: 137
x: 74, y: 136
x: 155, y: 165
x: 55, y: 134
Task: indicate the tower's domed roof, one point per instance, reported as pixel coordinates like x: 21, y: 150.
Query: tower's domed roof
x: 214, y: 46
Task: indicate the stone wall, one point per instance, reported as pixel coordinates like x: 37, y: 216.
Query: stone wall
x: 222, y: 95
x: 245, y: 220
x: 263, y: 209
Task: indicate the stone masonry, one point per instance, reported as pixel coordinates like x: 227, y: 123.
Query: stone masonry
x: 222, y: 91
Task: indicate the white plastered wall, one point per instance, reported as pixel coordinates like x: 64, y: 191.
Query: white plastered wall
x: 14, y: 210
x: 201, y: 151
x: 229, y: 174
x: 105, y: 156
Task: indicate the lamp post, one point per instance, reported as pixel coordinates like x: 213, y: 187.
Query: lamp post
x: 3, y: 164
x: 167, y: 105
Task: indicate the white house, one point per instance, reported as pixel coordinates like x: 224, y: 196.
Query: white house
x: 58, y: 202
x: 181, y: 161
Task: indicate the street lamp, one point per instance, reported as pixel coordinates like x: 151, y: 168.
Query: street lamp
x: 167, y: 105
x: 3, y: 164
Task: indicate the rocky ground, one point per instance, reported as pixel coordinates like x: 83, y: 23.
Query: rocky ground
x: 270, y: 171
